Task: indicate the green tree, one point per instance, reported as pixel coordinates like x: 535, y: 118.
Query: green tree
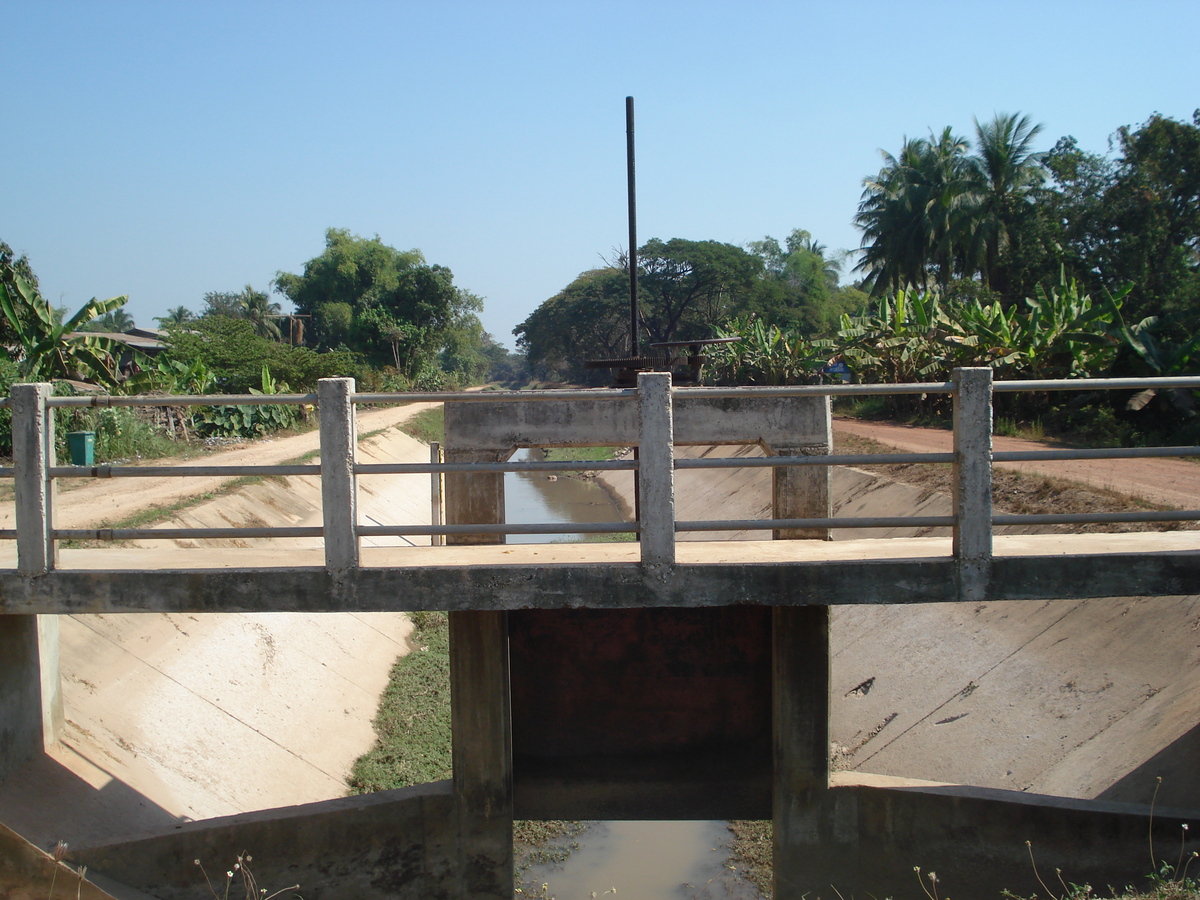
x: 686, y: 288
x: 260, y: 312
x: 12, y: 266
x: 914, y: 215
x: 1007, y: 175
x: 588, y: 319
x: 1153, y: 209
x: 401, y: 308
x: 935, y: 214
x: 798, y: 286
x: 222, y: 303
x: 235, y: 354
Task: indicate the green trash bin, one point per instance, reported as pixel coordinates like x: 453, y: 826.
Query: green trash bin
x: 83, y: 447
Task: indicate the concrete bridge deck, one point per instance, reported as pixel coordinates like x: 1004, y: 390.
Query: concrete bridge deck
x: 601, y: 575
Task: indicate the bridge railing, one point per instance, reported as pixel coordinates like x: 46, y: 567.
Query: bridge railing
x: 34, y: 472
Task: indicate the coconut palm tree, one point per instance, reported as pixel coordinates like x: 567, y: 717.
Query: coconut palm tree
x: 1005, y: 175
x: 180, y: 315
x: 913, y: 215
x: 262, y: 313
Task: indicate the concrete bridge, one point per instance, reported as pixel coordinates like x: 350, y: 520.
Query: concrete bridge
x: 578, y: 691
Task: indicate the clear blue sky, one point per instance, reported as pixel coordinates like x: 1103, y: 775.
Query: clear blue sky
x: 162, y: 150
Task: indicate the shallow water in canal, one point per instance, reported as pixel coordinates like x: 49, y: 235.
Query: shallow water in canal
x: 623, y: 860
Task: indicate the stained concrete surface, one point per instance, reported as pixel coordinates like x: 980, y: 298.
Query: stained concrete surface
x: 1082, y: 699
x: 176, y: 717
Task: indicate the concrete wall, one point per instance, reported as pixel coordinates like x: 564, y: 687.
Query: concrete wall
x: 865, y: 839
x: 31, y: 711
x: 393, y: 845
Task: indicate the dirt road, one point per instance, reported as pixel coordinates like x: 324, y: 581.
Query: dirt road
x: 1166, y: 482
x: 89, y: 503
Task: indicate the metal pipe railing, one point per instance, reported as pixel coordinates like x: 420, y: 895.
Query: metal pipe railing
x: 34, y: 476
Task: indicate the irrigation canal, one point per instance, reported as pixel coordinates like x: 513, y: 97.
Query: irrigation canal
x: 631, y: 860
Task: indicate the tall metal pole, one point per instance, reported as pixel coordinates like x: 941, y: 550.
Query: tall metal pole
x: 633, y: 292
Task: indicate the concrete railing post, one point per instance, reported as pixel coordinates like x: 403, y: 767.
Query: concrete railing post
x: 656, y: 470
x: 973, y: 481
x: 339, y: 496
x: 33, y: 451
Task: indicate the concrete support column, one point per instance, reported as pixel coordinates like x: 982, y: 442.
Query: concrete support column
x: 481, y: 713
x: 339, y: 448
x: 656, y: 470
x: 31, y: 711
x: 800, y: 678
x: 803, y: 492
x: 973, y: 481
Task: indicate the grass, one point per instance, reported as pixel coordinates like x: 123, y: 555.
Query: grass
x: 427, y: 426
x: 412, y: 726
x: 580, y: 454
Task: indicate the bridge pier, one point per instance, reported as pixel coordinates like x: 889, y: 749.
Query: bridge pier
x: 626, y: 762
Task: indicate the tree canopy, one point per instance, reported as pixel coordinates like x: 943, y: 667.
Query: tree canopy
x: 685, y: 289
x: 1007, y: 219
x: 389, y: 305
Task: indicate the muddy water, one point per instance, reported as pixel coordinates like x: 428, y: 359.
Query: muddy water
x: 540, y: 497
x: 631, y: 860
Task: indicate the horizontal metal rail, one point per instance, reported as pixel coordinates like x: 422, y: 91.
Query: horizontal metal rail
x: 849, y: 522
x: 817, y: 390
x: 180, y: 471
x: 8, y: 534
x: 1097, y: 384
x: 780, y: 462
x: 502, y: 528
x: 102, y: 401
x: 1099, y: 453
x: 171, y: 534
x: 491, y: 396
x: 600, y: 465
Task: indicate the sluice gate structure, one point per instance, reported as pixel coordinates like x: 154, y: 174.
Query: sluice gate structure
x: 642, y: 680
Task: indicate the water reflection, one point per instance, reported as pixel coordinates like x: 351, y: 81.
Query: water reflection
x: 646, y: 861
x: 543, y: 497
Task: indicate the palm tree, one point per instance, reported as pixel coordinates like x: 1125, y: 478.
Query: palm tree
x: 116, y: 322
x: 913, y: 214
x: 1006, y: 172
x: 262, y: 313
x: 180, y: 315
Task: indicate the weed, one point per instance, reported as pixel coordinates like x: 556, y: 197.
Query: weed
x: 427, y: 426
x: 248, y: 889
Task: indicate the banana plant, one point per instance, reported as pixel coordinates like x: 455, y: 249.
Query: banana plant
x: 902, y: 341
x: 767, y: 355
x: 50, y: 349
x: 1162, y: 359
